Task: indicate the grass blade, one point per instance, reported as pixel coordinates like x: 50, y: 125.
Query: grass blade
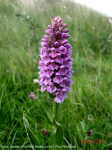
x: 32, y: 138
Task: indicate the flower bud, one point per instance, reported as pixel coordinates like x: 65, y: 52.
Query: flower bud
x: 46, y: 36
x: 89, y: 132
x: 60, y: 28
x: 49, y: 26
x: 53, y: 28
x: 66, y: 30
x: 44, y: 40
x: 49, y: 31
x: 64, y: 35
x: 64, y: 25
x: 56, y: 44
x: 44, y: 44
x: 44, y: 132
x: 64, y: 41
x: 58, y: 33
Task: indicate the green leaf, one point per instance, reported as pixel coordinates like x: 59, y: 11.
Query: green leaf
x: 85, y: 126
x: 59, y: 134
x: 32, y: 138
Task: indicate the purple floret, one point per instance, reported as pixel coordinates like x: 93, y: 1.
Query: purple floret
x: 55, y: 64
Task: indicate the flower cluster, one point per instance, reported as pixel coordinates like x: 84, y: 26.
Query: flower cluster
x: 55, y: 63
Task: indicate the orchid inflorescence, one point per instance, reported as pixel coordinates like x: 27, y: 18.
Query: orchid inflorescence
x: 55, y: 63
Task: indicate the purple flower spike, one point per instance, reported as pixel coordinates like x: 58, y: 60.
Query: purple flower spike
x: 55, y: 64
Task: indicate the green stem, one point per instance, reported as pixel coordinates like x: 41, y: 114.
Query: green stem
x: 56, y: 111
x: 54, y: 108
x: 56, y: 118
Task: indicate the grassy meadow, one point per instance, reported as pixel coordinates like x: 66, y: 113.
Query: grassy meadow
x: 88, y: 107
